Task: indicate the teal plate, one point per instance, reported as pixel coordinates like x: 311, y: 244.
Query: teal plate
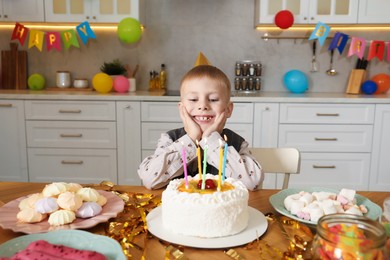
x: 73, y: 238
x: 277, y: 201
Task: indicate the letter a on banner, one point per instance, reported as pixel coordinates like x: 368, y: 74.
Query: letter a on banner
x: 20, y: 33
x: 36, y: 39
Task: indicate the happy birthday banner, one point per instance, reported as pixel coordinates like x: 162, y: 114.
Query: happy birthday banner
x: 357, y: 46
x: 53, y: 39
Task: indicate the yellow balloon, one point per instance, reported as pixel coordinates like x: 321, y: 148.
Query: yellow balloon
x: 102, y: 82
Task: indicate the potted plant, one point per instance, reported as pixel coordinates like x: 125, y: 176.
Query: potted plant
x: 115, y: 67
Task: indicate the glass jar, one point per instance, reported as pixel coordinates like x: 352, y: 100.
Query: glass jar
x: 346, y: 236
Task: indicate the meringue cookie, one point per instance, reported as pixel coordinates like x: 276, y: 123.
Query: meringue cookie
x: 88, y: 194
x: 46, y: 205
x: 54, y: 189
x: 70, y: 201
x: 88, y: 209
x: 61, y: 217
x: 73, y: 187
x: 30, y: 215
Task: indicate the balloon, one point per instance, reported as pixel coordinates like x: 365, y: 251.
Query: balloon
x: 284, y: 19
x: 129, y: 30
x: 121, y: 84
x: 102, y: 82
x: 369, y: 87
x: 36, y: 81
x: 383, y: 82
x: 296, y: 81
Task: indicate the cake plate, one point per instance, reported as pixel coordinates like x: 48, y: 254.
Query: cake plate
x: 257, y: 226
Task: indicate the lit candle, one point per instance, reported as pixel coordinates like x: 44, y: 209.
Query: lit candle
x: 184, y: 158
x: 225, y: 149
x: 220, y: 164
x: 199, y: 160
x: 204, y: 165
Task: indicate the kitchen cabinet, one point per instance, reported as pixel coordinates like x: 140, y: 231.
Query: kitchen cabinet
x: 374, y: 11
x: 129, y: 141
x: 308, y: 11
x: 265, y: 134
x: 13, y: 151
x: 160, y: 117
x: 71, y: 141
x: 380, y: 166
x: 94, y: 11
x: 335, y: 141
x: 22, y: 11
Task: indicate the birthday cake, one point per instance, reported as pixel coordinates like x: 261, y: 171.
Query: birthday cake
x: 193, y: 211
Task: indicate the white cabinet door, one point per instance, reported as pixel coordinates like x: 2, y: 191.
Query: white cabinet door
x: 380, y: 166
x: 333, y: 170
x: 129, y: 142
x: 13, y: 151
x: 72, y: 165
x: 22, y: 11
x: 103, y: 11
x: 308, y: 11
x: 265, y: 133
x: 374, y: 11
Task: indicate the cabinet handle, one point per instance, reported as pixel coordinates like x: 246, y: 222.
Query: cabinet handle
x: 87, y: 17
x: 5, y: 105
x: 325, y: 139
x: 94, y: 17
x: 324, y: 114
x: 71, y: 162
x: 128, y: 107
x: 324, y: 166
x: 71, y: 135
x: 75, y: 111
x: 266, y: 109
x: 5, y: 16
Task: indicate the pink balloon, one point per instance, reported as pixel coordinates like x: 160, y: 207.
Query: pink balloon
x: 121, y: 84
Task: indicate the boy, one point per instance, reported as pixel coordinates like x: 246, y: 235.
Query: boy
x: 204, y: 108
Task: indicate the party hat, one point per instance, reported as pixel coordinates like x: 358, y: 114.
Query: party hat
x: 201, y: 60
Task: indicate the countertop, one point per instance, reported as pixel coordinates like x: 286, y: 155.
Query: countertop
x: 315, y: 97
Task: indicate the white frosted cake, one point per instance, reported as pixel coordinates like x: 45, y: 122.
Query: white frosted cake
x: 205, y: 213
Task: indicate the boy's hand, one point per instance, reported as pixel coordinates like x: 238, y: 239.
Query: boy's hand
x: 218, y: 125
x: 190, y: 126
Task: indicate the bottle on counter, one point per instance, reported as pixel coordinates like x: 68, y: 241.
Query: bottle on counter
x: 163, y: 77
x: 156, y: 77
x: 151, y: 81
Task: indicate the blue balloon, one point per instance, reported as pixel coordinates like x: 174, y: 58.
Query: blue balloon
x: 369, y: 87
x: 296, y: 81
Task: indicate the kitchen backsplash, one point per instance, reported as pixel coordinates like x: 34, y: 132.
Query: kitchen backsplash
x: 177, y: 30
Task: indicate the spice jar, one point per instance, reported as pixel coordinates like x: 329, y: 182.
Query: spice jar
x: 346, y: 236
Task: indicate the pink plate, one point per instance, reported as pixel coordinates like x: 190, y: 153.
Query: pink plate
x: 9, y: 211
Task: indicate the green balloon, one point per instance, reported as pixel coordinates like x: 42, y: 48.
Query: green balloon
x: 36, y: 81
x: 129, y: 30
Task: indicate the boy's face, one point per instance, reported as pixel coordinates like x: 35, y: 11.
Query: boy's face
x: 204, y: 100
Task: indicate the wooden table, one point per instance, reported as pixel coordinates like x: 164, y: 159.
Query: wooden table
x: 155, y: 250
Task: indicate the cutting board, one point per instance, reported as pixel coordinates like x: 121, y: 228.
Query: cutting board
x: 13, y: 68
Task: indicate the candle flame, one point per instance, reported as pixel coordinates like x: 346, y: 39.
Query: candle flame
x: 224, y: 137
x: 197, y: 142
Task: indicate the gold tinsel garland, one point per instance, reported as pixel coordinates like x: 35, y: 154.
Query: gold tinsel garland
x: 130, y: 229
